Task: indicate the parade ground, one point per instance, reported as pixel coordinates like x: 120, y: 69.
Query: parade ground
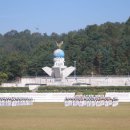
x: 54, y: 116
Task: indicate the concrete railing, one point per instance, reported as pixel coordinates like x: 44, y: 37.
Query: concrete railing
x: 69, y: 81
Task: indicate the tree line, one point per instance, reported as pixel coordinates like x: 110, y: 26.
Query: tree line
x: 97, y: 49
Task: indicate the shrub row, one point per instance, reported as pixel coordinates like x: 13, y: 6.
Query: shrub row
x: 85, y: 90
x: 14, y: 89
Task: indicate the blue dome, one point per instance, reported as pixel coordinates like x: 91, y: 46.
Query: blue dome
x: 59, y: 53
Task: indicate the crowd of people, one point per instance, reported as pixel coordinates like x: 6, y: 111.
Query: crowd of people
x: 16, y: 101
x: 91, y: 101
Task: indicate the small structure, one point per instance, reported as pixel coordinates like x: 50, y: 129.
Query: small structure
x: 59, y: 71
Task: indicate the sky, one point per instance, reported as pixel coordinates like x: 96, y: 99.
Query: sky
x: 60, y: 16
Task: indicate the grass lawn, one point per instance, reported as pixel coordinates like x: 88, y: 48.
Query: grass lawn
x: 54, y: 116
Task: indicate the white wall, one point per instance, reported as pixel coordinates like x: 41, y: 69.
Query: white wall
x: 59, y: 97
x: 41, y: 97
x: 122, y: 96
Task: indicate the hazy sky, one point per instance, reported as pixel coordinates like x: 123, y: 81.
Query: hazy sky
x: 60, y: 16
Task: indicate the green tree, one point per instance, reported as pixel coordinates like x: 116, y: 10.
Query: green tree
x: 3, y: 77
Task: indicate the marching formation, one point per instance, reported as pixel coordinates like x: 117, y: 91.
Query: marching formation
x: 91, y: 101
x: 16, y: 101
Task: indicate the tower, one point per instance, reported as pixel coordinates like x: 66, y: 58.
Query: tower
x: 59, y: 70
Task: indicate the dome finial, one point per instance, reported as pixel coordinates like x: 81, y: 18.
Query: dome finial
x: 59, y: 44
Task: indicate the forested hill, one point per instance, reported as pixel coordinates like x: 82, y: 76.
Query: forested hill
x: 98, y: 49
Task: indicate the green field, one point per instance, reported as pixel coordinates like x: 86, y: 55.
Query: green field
x: 54, y: 116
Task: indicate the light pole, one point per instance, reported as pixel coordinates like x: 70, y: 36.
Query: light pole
x: 75, y: 69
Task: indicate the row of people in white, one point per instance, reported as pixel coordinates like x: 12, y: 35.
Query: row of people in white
x: 16, y: 101
x: 91, y: 101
